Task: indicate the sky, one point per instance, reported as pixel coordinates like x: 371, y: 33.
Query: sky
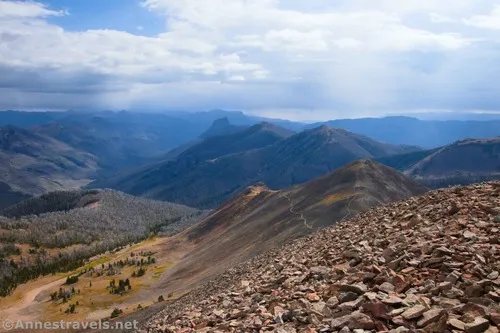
x: 292, y: 59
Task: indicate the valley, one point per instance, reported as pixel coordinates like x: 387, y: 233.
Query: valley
x: 57, y: 232
x: 32, y: 300
x: 134, y: 233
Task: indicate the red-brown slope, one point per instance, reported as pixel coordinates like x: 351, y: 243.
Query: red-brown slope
x: 260, y: 219
x: 427, y: 264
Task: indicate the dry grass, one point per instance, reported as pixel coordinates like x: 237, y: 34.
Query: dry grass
x: 159, y: 270
x: 95, y: 263
x: 336, y: 197
x: 94, y: 302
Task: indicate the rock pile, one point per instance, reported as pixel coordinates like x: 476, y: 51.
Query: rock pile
x: 427, y: 264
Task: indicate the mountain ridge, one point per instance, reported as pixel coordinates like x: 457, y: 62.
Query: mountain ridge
x: 462, y: 162
x: 412, y: 131
x: 259, y: 218
x: 149, y: 178
x: 409, y: 266
x: 220, y: 126
x: 292, y: 160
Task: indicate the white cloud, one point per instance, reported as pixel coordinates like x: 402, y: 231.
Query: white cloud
x: 368, y: 56
x: 491, y: 21
x: 437, y: 18
x: 264, y: 24
x: 26, y: 9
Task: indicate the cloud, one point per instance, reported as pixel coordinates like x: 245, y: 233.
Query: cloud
x: 352, y: 57
x: 437, y: 18
x: 491, y: 21
x: 28, y: 9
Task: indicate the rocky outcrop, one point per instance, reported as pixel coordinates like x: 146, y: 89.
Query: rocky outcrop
x: 427, y: 264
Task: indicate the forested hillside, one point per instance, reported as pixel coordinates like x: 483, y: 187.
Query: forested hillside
x: 59, y: 231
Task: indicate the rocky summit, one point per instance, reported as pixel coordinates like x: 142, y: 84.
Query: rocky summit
x: 427, y: 264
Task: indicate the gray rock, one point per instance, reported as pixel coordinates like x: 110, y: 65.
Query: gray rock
x: 457, y: 324
x: 354, y: 320
x: 347, y: 296
x: 359, y: 288
x: 386, y: 287
x: 414, y: 312
x: 430, y: 317
x: 479, y: 325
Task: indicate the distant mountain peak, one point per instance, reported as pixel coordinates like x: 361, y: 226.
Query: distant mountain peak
x: 328, y: 130
x: 265, y: 125
x: 355, y: 167
x: 225, y: 111
x: 224, y: 121
x: 367, y: 166
x: 220, y: 126
x: 326, y: 134
x: 268, y: 127
x: 368, y: 163
x: 321, y: 129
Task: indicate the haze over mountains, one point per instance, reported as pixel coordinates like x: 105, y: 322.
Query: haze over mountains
x: 413, y: 131
x: 33, y: 164
x: 202, y: 180
x: 168, y: 157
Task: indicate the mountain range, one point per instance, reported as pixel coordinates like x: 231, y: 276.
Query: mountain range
x: 206, y: 173
x: 211, y: 158
x: 216, y: 168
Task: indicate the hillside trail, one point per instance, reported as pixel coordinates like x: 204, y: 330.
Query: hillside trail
x: 300, y: 215
x: 21, y: 309
x: 349, y: 212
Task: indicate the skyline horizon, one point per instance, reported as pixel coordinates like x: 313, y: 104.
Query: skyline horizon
x: 304, y: 60
x: 441, y: 115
